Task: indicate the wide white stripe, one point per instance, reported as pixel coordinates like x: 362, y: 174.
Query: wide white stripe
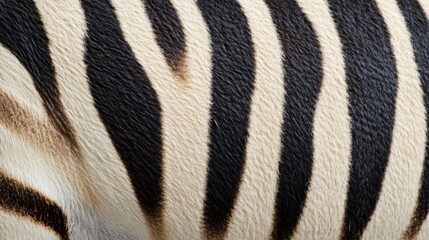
x: 324, y: 208
x: 402, y: 177
x: 185, y: 108
x: 114, y: 209
x: 255, y: 204
x: 17, y: 83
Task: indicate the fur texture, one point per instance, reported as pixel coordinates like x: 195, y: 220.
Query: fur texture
x: 231, y: 119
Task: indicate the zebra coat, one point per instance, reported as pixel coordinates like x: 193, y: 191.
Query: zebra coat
x: 205, y: 119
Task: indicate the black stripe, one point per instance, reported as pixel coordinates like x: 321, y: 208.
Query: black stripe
x: 302, y: 81
x: 418, y: 26
x: 168, y: 31
x: 127, y: 105
x: 372, y: 83
x: 26, y: 202
x: 23, y: 34
x: 232, y: 85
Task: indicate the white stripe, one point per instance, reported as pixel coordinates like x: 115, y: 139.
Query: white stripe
x: 114, y: 212
x: 401, y: 183
x: 185, y: 111
x: 325, y: 205
x: 17, y: 83
x: 255, y: 204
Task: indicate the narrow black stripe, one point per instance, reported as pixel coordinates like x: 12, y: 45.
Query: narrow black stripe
x: 372, y: 82
x: 27, y: 202
x: 127, y: 104
x: 302, y: 80
x: 232, y: 85
x: 418, y: 26
x: 23, y: 34
x: 168, y: 31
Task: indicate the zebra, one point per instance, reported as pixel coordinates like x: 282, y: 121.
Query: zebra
x: 205, y: 119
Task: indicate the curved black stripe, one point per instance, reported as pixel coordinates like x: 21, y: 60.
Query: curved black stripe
x: 26, y: 202
x: 372, y: 84
x: 127, y: 105
x: 302, y: 81
x: 418, y: 26
x: 168, y: 31
x: 22, y: 32
x: 232, y: 86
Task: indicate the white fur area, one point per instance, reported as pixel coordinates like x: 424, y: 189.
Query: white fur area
x: 13, y: 227
x: 324, y: 209
x: 16, y: 82
x: 254, y: 207
x: 401, y: 183
x: 115, y: 213
x: 39, y: 171
x: 185, y: 108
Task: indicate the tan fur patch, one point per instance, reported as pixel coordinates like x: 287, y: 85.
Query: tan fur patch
x: 181, y: 69
x: 40, y: 134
